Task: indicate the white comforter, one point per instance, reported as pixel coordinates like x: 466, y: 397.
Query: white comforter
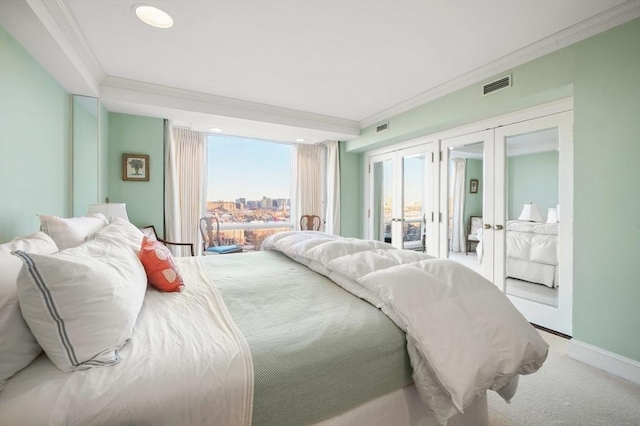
x: 186, y: 364
x: 463, y: 334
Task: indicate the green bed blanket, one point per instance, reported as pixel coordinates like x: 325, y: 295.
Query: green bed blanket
x: 317, y: 350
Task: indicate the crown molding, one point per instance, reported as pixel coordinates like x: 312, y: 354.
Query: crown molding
x: 57, y: 17
x: 126, y: 90
x: 606, y: 20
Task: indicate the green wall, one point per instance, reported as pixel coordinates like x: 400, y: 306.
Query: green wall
x: 351, y: 197
x: 472, y: 202
x: 131, y: 134
x: 602, y: 74
x: 532, y: 178
x: 104, y: 155
x: 85, y: 153
x: 34, y: 142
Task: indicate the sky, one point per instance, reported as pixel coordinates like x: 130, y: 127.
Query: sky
x: 247, y: 168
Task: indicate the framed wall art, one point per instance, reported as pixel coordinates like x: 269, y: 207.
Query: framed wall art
x: 473, y: 186
x: 135, y: 167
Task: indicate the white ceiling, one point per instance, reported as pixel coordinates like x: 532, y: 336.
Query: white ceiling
x: 330, y: 66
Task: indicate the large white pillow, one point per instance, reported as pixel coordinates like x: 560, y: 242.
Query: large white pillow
x: 72, y: 232
x: 82, y: 303
x: 122, y: 231
x: 18, y: 347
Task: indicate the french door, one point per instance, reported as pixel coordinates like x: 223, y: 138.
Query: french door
x: 517, y: 182
x: 401, y: 198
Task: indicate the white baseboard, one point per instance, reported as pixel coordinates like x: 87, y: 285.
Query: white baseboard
x: 604, y: 360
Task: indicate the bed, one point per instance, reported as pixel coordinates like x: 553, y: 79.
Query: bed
x: 267, y: 338
x: 531, y: 252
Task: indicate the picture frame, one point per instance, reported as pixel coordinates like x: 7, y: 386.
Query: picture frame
x: 135, y: 167
x: 473, y: 186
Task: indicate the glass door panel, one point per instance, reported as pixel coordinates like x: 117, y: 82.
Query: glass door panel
x: 414, y: 203
x: 401, y: 207
x: 382, y: 199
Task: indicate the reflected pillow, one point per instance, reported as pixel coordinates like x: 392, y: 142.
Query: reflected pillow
x: 162, y: 272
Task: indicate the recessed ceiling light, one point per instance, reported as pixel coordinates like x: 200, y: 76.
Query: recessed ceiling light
x: 153, y: 16
x: 299, y: 140
x: 215, y: 129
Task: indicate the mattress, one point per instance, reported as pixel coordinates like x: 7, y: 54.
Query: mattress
x: 317, y: 350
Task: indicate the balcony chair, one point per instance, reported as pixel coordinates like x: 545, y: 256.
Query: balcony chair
x: 150, y: 231
x: 310, y: 222
x: 211, y: 243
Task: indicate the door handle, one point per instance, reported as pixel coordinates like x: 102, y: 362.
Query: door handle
x: 498, y: 227
x: 486, y: 226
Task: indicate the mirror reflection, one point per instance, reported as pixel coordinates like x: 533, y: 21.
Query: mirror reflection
x: 531, y: 239
x: 382, y: 200
x: 465, y: 198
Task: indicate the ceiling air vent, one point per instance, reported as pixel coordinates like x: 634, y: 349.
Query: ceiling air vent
x: 499, y: 84
x: 383, y: 127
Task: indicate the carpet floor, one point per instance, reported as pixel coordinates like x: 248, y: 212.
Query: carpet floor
x: 567, y: 392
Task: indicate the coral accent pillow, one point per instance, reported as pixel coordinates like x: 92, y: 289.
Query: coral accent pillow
x: 162, y: 272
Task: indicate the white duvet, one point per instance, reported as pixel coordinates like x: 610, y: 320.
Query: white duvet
x: 186, y: 364
x: 463, y: 334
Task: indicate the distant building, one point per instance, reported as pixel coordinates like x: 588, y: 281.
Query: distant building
x: 221, y: 206
x: 266, y: 203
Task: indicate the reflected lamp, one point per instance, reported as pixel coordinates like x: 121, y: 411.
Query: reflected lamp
x: 530, y: 213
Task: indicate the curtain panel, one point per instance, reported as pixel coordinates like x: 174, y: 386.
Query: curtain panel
x: 185, y: 185
x: 458, y: 233
x: 332, y: 210
x: 308, y: 182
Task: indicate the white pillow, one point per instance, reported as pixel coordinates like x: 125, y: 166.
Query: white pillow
x: 72, y: 232
x: 122, y: 231
x: 18, y: 347
x: 82, y: 303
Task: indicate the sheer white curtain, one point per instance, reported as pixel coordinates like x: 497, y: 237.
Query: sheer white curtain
x: 308, y: 182
x: 317, y: 184
x: 458, y: 237
x: 185, y: 185
x: 332, y: 205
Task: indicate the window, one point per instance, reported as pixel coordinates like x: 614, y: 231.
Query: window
x: 249, y: 188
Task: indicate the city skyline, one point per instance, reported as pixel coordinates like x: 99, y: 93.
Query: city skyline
x: 248, y: 168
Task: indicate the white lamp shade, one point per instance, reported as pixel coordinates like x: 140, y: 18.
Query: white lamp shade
x: 530, y: 213
x: 110, y: 210
x: 552, y: 215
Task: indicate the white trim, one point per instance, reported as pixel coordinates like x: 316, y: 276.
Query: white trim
x: 59, y: 20
x: 604, y: 21
x: 143, y: 93
x: 610, y: 362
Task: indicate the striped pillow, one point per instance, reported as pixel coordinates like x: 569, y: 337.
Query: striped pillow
x: 81, y: 304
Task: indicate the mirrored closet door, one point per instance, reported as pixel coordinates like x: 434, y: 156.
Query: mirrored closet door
x: 466, y: 201
x: 534, y: 203
x: 506, y: 196
x: 401, y: 207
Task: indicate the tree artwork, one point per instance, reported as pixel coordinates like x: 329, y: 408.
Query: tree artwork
x: 136, y: 164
